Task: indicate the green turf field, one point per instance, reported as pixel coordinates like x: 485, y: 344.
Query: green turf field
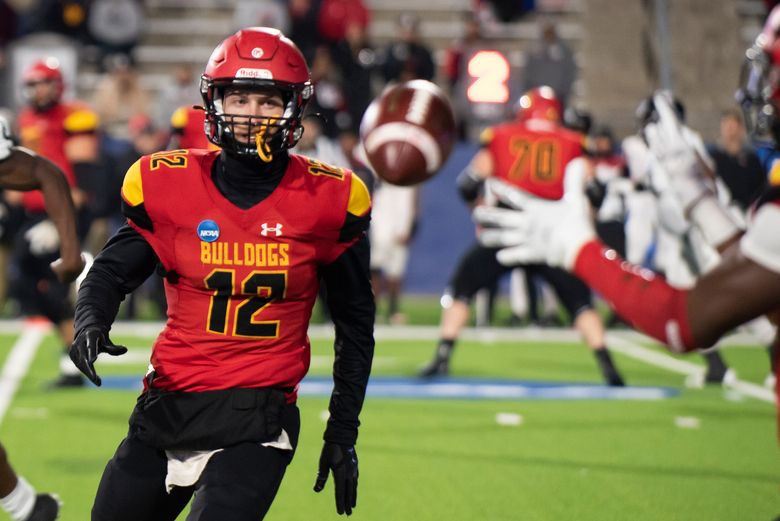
x: 449, y: 459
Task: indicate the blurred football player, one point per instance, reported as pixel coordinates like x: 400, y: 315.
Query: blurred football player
x: 745, y: 285
x: 23, y: 170
x: 667, y: 242
x: 538, y: 155
x: 187, y: 129
x: 65, y: 133
x: 393, y: 223
x: 242, y: 235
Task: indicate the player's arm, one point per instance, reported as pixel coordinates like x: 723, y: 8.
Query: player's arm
x: 351, y: 303
x: 23, y: 170
x: 125, y: 262
x: 736, y: 291
x: 472, y: 178
x: 745, y: 285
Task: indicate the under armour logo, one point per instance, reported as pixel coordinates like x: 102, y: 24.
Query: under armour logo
x: 276, y: 230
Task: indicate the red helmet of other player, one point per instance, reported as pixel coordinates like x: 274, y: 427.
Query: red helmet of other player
x: 256, y: 58
x: 539, y: 103
x: 43, y: 83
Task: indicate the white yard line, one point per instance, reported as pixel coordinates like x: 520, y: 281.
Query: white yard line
x: 624, y: 342
x: 619, y: 344
x: 384, y: 332
x: 18, y: 363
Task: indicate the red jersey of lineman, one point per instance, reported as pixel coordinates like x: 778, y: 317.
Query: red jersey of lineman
x: 533, y: 155
x: 239, y: 312
x: 45, y: 133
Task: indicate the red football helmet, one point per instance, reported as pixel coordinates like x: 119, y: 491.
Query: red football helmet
x: 256, y: 57
x: 539, y: 103
x: 45, y: 70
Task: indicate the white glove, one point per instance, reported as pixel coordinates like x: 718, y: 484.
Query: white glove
x: 536, y: 230
x: 5, y: 138
x: 43, y: 238
x: 678, y: 165
x: 682, y: 169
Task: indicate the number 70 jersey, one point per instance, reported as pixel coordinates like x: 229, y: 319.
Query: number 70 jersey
x: 533, y: 154
x: 245, y: 280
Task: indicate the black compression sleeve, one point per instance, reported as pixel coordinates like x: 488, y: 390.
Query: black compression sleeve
x: 351, y: 304
x: 125, y: 263
x: 469, y: 185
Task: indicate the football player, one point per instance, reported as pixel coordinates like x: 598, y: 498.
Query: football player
x: 187, y: 129
x: 63, y: 132
x: 21, y: 169
x: 393, y: 223
x: 659, y: 229
x: 242, y: 235
x: 537, y: 155
x: 745, y: 285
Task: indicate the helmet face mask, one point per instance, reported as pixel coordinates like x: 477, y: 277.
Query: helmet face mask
x: 256, y: 59
x: 759, y: 85
x: 759, y: 93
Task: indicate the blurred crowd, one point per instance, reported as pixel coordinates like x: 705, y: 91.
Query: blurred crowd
x: 348, y: 71
x: 50, y: 43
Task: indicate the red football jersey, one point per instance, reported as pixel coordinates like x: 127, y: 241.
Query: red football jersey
x: 239, y: 312
x: 533, y: 155
x: 45, y: 133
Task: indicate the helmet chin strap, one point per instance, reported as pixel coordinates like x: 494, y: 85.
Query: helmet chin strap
x: 263, y: 150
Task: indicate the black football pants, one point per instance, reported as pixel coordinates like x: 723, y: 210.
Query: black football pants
x: 479, y: 268
x: 238, y: 484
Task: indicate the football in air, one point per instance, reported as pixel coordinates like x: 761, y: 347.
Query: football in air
x: 408, y: 132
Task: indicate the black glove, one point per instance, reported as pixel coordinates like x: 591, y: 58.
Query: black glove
x: 85, y: 349
x: 342, y: 460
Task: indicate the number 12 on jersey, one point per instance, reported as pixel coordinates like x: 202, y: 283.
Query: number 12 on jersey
x: 256, y: 292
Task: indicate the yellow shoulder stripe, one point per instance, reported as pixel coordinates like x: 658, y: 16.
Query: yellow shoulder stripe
x: 774, y: 173
x: 132, y: 189
x: 81, y: 121
x: 359, y: 199
x: 486, y: 136
x: 179, y: 118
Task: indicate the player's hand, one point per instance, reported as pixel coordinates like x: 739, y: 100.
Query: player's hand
x: 343, y: 462
x: 679, y: 167
x: 68, y: 270
x: 89, y: 343
x: 535, y: 230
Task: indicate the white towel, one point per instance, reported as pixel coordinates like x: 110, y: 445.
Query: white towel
x: 186, y: 466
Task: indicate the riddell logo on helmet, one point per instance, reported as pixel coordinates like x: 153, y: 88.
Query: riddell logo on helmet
x: 257, y: 53
x: 261, y: 74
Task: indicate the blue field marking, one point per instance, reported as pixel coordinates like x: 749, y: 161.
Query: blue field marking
x: 490, y: 389
x: 462, y: 389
